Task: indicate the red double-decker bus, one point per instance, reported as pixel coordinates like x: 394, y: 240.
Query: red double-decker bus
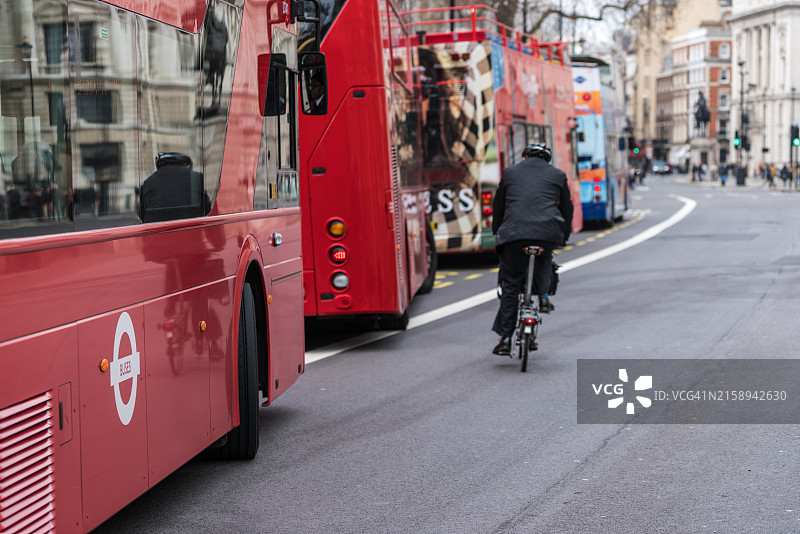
x: 150, y: 244
x: 367, y: 244
x: 487, y: 92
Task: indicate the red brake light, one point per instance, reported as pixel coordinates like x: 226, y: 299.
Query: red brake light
x: 338, y: 255
x: 486, y: 203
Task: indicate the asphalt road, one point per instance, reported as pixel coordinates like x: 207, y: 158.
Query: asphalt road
x: 426, y: 431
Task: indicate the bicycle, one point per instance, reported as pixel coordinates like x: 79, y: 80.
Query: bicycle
x: 528, y: 317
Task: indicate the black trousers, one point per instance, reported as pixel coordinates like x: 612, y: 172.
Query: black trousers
x: 513, y: 270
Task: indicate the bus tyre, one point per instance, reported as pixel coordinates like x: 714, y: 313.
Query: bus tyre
x: 433, y: 262
x: 242, y: 441
x: 394, y: 322
x: 612, y: 218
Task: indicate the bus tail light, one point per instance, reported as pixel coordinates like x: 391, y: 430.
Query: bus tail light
x: 336, y: 228
x: 597, y: 198
x: 486, y: 203
x: 597, y: 188
x: 338, y: 255
x: 340, y: 281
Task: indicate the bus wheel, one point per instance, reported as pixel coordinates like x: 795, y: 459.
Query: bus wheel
x: 242, y: 441
x: 433, y: 262
x: 613, y: 217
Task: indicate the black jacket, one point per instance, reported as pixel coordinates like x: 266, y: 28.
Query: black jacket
x: 532, y: 203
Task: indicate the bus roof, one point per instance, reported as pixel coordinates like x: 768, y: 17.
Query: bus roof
x: 585, y: 60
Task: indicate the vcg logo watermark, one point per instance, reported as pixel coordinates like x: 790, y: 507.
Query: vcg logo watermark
x: 617, y: 392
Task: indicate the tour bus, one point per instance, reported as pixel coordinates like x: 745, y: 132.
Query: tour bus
x: 487, y: 92
x: 150, y: 244
x: 367, y: 242
x: 602, y: 138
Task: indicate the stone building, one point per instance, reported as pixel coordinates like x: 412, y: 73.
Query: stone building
x: 765, y: 76
x: 698, y: 63
x: 660, y: 23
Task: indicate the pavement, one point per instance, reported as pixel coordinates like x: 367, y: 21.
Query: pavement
x: 751, y: 182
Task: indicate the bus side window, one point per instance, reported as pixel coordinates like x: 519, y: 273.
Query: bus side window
x: 171, y: 183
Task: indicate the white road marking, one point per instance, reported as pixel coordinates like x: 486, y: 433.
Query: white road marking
x: 487, y: 296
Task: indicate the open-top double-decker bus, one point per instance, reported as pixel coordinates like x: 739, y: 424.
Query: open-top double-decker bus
x: 487, y: 92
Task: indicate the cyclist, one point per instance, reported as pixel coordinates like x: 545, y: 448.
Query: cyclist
x: 532, y: 206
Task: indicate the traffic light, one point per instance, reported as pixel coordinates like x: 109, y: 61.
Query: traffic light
x: 745, y: 143
x: 736, y: 140
x: 636, y: 149
x: 795, y: 135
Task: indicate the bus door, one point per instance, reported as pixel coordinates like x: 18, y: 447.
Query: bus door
x: 277, y: 179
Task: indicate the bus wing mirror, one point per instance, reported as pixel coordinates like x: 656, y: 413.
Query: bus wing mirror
x: 275, y: 100
x: 313, y: 83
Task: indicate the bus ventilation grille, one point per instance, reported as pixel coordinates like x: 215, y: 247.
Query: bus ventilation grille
x: 26, y: 467
x: 398, y: 232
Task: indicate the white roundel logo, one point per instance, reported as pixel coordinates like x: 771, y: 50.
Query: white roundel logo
x: 125, y: 368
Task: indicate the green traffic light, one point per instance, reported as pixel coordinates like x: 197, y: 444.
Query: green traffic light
x: 796, y: 141
x: 736, y: 142
x: 636, y: 150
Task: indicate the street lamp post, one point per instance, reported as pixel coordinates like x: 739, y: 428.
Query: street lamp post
x: 741, y: 112
x: 764, y: 130
x: 791, y: 141
x: 26, y: 49
x: 645, y: 116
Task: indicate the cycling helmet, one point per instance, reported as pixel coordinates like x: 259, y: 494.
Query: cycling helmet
x: 173, y: 158
x: 538, y: 150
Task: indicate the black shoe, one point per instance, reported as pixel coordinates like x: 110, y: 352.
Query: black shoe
x: 545, y: 306
x: 504, y: 347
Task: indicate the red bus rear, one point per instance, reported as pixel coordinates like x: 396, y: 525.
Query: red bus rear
x: 487, y: 92
x: 150, y: 242
x: 366, y: 238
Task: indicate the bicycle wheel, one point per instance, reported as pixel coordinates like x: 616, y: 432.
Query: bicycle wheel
x: 523, y: 351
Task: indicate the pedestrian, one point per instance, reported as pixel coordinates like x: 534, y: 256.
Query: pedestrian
x: 723, y: 174
x: 773, y: 175
x: 786, y: 176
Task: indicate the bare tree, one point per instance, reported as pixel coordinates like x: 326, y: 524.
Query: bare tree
x: 540, y: 12
x: 542, y: 16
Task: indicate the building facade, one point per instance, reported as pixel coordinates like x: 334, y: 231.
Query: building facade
x: 766, y: 77
x: 661, y: 21
x: 700, y: 66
